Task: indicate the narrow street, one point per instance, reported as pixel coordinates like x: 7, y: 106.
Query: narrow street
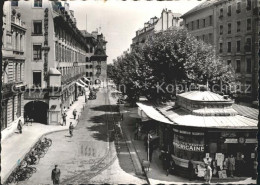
x: 87, y: 157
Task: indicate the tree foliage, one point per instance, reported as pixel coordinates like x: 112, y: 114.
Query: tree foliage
x: 168, y: 58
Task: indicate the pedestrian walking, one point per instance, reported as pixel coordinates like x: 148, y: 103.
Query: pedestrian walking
x: 150, y: 146
x: 74, y: 113
x: 64, y: 118
x: 232, y: 164
x: 55, y: 175
x: 190, y: 169
x: 208, y: 173
x: 71, y: 127
x: 19, y: 126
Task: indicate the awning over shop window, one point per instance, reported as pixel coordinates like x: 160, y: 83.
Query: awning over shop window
x: 83, y: 83
x: 86, y: 79
x: 79, y: 84
x: 152, y: 113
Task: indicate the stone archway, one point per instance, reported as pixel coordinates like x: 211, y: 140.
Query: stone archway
x: 37, y: 110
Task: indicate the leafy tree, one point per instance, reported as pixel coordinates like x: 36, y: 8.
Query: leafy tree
x: 168, y: 58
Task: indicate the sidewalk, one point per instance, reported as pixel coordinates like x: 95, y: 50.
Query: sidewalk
x: 15, y: 147
x: 156, y: 174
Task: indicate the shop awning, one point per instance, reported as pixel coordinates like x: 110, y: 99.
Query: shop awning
x: 152, y: 113
x: 83, y: 83
x: 86, y: 79
x: 80, y: 84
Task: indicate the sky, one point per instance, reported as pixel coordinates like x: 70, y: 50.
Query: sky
x: 119, y: 20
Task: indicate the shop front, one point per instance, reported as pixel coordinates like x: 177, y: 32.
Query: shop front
x: 203, y: 127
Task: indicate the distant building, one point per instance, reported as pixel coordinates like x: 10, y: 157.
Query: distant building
x: 13, y: 63
x: 99, y: 59
x: 168, y: 19
x: 232, y: 27
x: 55, y: 59
x: 200, y: 21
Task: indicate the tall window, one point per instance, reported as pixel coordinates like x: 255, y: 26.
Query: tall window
x: 229, y: 10
x: 56, y: 51
x: 229, y: 47
x: 16, y: 72
x: 248, y: 45
x: 13, y: 99
x: 238, y: 26
x: 21, y: 72
x: 249, y: 5
x: 204, y: 23
x: 19, y: 105
x: 90, y: 74
x: 198, y: 24
x: 37, y: 27
x: 238, y: 66
x: 37, y: 79
x: 37, y: 3
x: 221, y: 29
x: 228, y: 62
x: 210, y: 20
x: 221, y: 12
x: 192, y: 25
x: 229, y: 28
x: 37, y: 52
x: 248, y: 66
x: 220, y: 47
x: 210, y: 38
x: 248, y: 24
x: 238, y: 46
x: 238, y: 7
x: 14, y: 3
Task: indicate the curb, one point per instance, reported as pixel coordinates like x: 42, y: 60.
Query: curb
x: 3, y: 179
x: 131, y: 149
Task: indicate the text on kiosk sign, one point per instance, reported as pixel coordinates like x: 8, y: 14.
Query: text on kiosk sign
x: 189, y: 146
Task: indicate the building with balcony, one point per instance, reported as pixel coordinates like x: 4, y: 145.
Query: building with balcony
x: 232, y: 27
x: 155, y: 25
x: 55, y: 59
x: 13, y: 63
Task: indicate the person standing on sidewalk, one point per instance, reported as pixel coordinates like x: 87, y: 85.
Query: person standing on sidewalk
x: 64, y: 118
x: 19, y: 126
x: 208, y: 174
x: 55, y: 175
x: 71, y: 127
x: 64, y: 109
x: 232, y: 163
x: 190, y: 169
x: 74, y: 113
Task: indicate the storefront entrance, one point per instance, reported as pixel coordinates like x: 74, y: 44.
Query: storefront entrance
x: 244, y: 155
x: 36, y: 110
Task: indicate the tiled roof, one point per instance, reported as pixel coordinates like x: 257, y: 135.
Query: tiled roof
x: 201, y: 6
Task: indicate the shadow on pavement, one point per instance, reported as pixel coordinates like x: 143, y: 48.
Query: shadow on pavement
x: 106, y: 108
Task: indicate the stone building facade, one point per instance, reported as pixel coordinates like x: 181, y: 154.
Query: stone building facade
x: 55, y: 59
x: 232, y: 27
x: 168, y: 19
x: 13, y: 64
x: 201, y: 23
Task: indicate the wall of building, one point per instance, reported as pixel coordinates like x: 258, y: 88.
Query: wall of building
x: 13, y: 60
x: 201, y: 31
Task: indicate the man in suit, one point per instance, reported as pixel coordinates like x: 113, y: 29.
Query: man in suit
x: 55, y: 175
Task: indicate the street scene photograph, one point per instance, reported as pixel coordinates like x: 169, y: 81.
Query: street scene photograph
x: 130, y: 92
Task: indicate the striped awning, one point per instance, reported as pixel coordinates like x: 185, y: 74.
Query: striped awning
x: 152, y: 113
x: 79, y: 84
